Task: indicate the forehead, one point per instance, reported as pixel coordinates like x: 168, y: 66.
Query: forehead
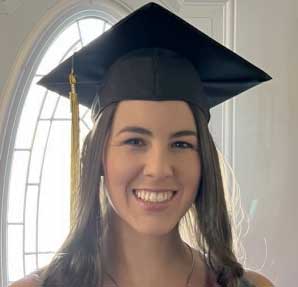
x: 155, y: 114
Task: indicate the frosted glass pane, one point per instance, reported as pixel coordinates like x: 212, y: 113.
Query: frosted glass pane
x: 90, y: 29
x: 78, y: 46
x: 58, y: 49
x: 83, y: 110
x: 87, y: 119
x: 17, y: 186
x: 30, y: 219
x: 107, y: 27
x: 30, y: 113
x: 15, y: 252
x: 55, y: 186
x: 49, y: 105
x: 30, y: 263
x: 63, y: 109
x: 44, y: 259
x: 38, y: 151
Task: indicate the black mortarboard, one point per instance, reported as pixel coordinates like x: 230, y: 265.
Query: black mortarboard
x: 151, y: 54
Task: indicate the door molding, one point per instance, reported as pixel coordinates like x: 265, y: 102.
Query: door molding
x: 220, y: 15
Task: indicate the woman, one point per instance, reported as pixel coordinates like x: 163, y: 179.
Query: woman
x: 150, y: 160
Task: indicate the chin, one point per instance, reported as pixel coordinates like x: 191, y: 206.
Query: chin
x: 154, y: 227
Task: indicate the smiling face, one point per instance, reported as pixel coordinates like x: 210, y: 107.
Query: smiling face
x: 161, y: 153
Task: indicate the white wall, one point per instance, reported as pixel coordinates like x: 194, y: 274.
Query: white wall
x: 265, y: 127
x: 267, y: 135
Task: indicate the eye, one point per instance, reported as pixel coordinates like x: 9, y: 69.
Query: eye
x: 133, y: 140
x: 185, y: 144
x: 140, y: 142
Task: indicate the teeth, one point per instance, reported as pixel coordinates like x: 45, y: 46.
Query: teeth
x: 154, y: 196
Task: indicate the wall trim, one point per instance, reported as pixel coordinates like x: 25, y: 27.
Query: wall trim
x: 228, y: 8
x: 229, y: 120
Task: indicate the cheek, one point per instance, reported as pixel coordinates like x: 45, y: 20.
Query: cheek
x: 191, y: 172
x: 120, y: 169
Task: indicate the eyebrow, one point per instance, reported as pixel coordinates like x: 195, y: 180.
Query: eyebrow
x: 140, y: 130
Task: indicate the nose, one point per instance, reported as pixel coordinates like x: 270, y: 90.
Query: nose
x: 158, y: 163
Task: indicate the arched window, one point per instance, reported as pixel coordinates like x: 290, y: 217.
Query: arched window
x: 38, y: 202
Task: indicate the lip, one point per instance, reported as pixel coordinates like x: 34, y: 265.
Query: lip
x: 155, y: 206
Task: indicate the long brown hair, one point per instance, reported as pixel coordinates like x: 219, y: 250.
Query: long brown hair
x: 78, y: 261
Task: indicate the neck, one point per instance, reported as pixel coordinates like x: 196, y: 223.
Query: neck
x: 134, y: 259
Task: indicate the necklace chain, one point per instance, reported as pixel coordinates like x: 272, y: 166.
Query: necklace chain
x: 188, y: 277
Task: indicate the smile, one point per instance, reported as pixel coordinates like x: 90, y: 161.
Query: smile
x: 156, y: 196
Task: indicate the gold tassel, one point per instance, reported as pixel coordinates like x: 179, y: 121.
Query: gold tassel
x: 75, y: 147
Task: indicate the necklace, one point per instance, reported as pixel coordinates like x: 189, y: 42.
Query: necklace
x: 187, y: 284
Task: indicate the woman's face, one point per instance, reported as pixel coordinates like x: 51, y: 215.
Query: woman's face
x: 151, y: 156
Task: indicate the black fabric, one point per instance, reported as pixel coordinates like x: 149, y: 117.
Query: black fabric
x: 210, y: 73
x: 153, y: 74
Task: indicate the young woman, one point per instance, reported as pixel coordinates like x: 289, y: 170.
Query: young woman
x: 150, y: 161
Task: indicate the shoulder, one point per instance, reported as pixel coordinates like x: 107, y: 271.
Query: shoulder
x: 257, y: 279
x: 31, y: 280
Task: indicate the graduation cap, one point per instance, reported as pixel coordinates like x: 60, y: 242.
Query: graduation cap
x: 152, y: 54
